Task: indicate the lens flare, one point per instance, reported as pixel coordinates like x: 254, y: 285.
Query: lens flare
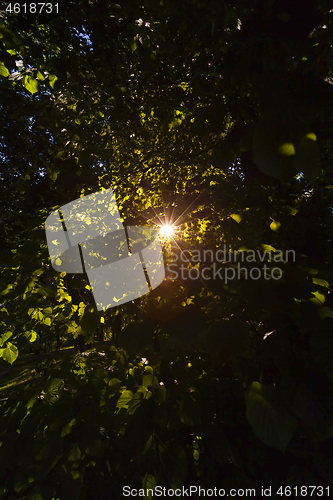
x: 167, y: 230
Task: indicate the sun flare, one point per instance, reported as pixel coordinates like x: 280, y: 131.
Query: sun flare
x: 167, y: 230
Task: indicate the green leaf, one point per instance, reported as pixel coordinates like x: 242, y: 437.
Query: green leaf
x: 53, y: 176
x: 292, y: 210
x: 75, y: 453
x: 3, y: 70
x: 54, y: 386
x: 10, y: 353
x: 319, y: 298
x: 270, y: 421
x: 149, y: 483
x: 67, y: 428
x: 36, y: 496
x: 30, y: 84
x: 150, y: 379
x: 275, y: 226
x: 135, y: 402
x: 134, y: 45
x: 31, y: 336
x: 33, y: 399
x: 325, y: 312
x: 40, y: 76
x: 5, y: 336
x: 268, y: 248
x: 320, y: 282
x: 236, y: 217
x: 96, y: 448
x: 124, y: 399
x: 114, y: 384
x: 52, y: 80
x: 90, y: 319
x: 160, y: 394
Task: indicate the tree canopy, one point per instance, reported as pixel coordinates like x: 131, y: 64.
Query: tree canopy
x: 213, y: 117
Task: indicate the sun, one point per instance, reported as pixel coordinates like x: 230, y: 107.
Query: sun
x: 167, y: 230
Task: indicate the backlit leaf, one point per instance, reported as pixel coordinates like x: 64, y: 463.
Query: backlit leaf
x: 10, y: 353
x: 30, y: 84
x: 271, y: 423
x: 3, y: 70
